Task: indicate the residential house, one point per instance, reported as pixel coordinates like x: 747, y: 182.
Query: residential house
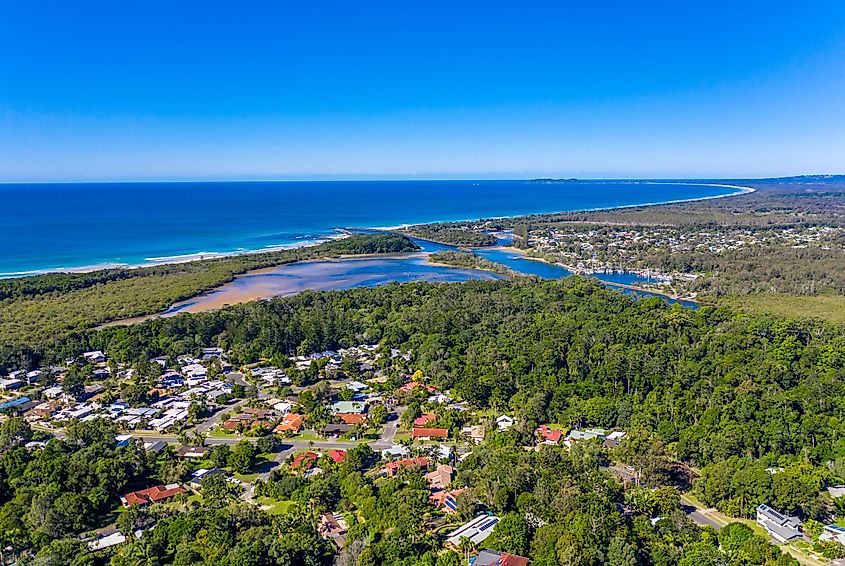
x: 475, y: 433
x: 422, y: 433
x: 424, y: 419
x: 283, y: 407
x: 338, y: 455
x: 150, y: 495
x: 586, y: 434
x: 834, y: 533
x: 613, y: 439
x: 392, y: 468
x: 199, y: 475
x: 352, y: 418
x: 53, y: 392
x: 476, y: 531
x: 357, y: 386
x: 291, y: 422
x: 333, y: 527
x: 193, y: 451
x: 10, y: 384
x: 395, y: 451
x: 504, y: 423
x: 303, y: 461
x: 108, y: 538
x: 155, y: 445
x: 446, y: 501
x: 94, y: 357
x: 414, y: 384
x: 19, y: 402
x: 546, y: 435
x: 836, y: 491
x: 781, y: 527
x: 43, y: 410
x: 335, y: 430
x: 440, y: 477
x: 489, y: 557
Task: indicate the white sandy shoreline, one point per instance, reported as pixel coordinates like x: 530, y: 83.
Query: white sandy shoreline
x: 202, y: 256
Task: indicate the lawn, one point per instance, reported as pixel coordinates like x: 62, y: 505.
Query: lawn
x: 246, y: 478
x: 220, y: 433
x: 275, y: 507
x: 827, y: 307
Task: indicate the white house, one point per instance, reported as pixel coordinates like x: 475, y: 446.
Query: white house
x: 476, y: 531
x: 10, y: 384
x: 94, y: 357
x: 833, y: 532
x: 504, y: 423
x: 781, y: 527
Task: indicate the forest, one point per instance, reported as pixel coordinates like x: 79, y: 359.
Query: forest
x: 711, y: 397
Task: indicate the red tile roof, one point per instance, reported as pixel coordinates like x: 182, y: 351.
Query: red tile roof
x: 414, y: 384
x: 304, y: 459
x: 351, y: 418
x: 393, y: 467
x: 291, y: 422
x: 338, y: 455
x: 152, y: 494
x: 421, y: 432
x: 424, y: 419
x: 513, y: 560
x: 545, y: 433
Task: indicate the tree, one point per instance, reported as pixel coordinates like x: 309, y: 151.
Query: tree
x: 268, y: 444
x: 242, y: 457
x: 129, y: 521
x: 512, y: 534
x: 14, y: 432
x: 74, y: 382
x: 378, y: 415
x: 621, y: 553
x: 219, y: 455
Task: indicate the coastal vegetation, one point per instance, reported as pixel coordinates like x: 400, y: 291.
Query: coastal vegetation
x: 469, y: 260
x: 35, y: 310
x: 710, y: 399
x: 461, y: 234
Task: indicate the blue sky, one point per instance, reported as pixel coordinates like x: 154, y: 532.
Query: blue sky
x: 237, y: 90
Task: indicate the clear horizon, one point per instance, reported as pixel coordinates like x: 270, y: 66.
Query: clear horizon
x: 106, y: 92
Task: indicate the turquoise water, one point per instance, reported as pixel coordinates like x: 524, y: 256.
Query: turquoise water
x: 68, y: 226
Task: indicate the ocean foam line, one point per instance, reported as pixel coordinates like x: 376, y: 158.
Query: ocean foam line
x: 185, y: 258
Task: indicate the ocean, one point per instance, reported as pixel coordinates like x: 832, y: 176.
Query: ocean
x: 55, y: 227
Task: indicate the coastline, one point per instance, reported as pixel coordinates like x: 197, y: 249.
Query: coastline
x: 338, y: 233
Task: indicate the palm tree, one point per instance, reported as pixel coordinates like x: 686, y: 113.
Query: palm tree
x: 466, y: 548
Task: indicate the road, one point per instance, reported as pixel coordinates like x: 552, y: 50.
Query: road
x: 700, y: 517
x: 208, y: 423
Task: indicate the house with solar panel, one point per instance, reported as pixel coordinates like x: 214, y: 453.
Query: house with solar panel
x: 476, y: 531
x: 833, y: 533
x: 781, y: 527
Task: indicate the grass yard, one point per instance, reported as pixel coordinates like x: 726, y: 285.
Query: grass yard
x: 274, y: 507
x: 827, y: 307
